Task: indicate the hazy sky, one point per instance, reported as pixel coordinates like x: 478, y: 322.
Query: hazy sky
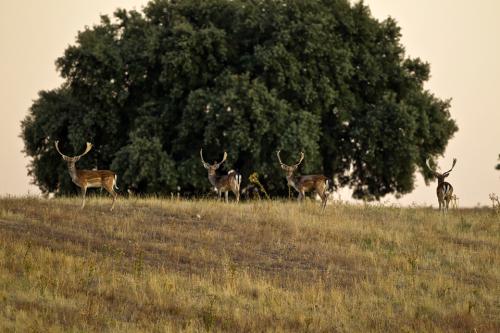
x: 459, y: 38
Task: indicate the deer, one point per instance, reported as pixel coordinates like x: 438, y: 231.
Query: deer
x: 250, y: 191
x: 454, y: 201
x: 444, y: 189
x: 223, y: 183
x: 90, y: 178
x: 306, y: 183
x: 495, y: 202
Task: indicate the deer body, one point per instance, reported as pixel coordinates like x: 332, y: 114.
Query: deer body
x: 223, y: 183
x: 306, y: 183
x: 444, y: 192
x: 90, y: 178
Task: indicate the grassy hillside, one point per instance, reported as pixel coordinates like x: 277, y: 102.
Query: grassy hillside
x: 162, y: 265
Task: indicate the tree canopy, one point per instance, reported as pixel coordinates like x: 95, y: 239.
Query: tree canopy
x: 150, y: 88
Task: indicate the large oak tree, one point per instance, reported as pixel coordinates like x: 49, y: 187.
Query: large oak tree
x: 247, y: 77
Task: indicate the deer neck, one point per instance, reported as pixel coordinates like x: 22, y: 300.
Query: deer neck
x: 292, y: 180
x: 212, y: 177
x: 72, y: 171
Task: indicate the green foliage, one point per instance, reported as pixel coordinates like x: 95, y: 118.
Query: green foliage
x: 324, y: 77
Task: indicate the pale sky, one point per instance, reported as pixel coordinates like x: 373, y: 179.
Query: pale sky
x: 459, y: 38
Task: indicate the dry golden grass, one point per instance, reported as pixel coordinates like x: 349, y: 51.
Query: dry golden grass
x: 166, y: 266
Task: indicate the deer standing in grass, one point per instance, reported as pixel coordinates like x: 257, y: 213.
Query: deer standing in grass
x: 225, y: 183
x: 303, y: 184
x: 444, y: 189
x: 454, y: 201
x: 90, y: 178
x: 494, y: 201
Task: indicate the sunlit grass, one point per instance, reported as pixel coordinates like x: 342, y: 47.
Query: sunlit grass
x: 157, y: 264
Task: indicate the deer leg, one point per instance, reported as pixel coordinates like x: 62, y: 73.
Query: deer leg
x: 84, y: 192
x: 323, y: 202
x: 301, y: 196
x: 113, y: 194
x: 440, y: 197
x: 323, y: 193
x: 324, y: 199
x: 114, y: 199
x: 237, y: 194
x: 226, y: 194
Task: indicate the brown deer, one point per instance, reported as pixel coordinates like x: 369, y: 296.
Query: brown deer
x: 444, y: 189
x: 224, y: 183
x: 303, y: 184
x: 90, y: 178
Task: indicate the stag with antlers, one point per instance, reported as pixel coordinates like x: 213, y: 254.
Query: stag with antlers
x: 224, y: 183
x: 444, y: 189
x: 90, y: 178
x: 307, y: 183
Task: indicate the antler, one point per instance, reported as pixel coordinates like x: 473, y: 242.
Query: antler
x: 453, y: 165
x: 223, y: 159
x: 279, y: 159
x: 205, y: 164
x: 87, y: 149
x: 301, y: 158
x: 290, y: 166
x: 57, y: 148
x: 428, y: 166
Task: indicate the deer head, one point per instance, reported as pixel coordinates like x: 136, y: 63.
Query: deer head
x: 212, y: 167
x: 290, y: 169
